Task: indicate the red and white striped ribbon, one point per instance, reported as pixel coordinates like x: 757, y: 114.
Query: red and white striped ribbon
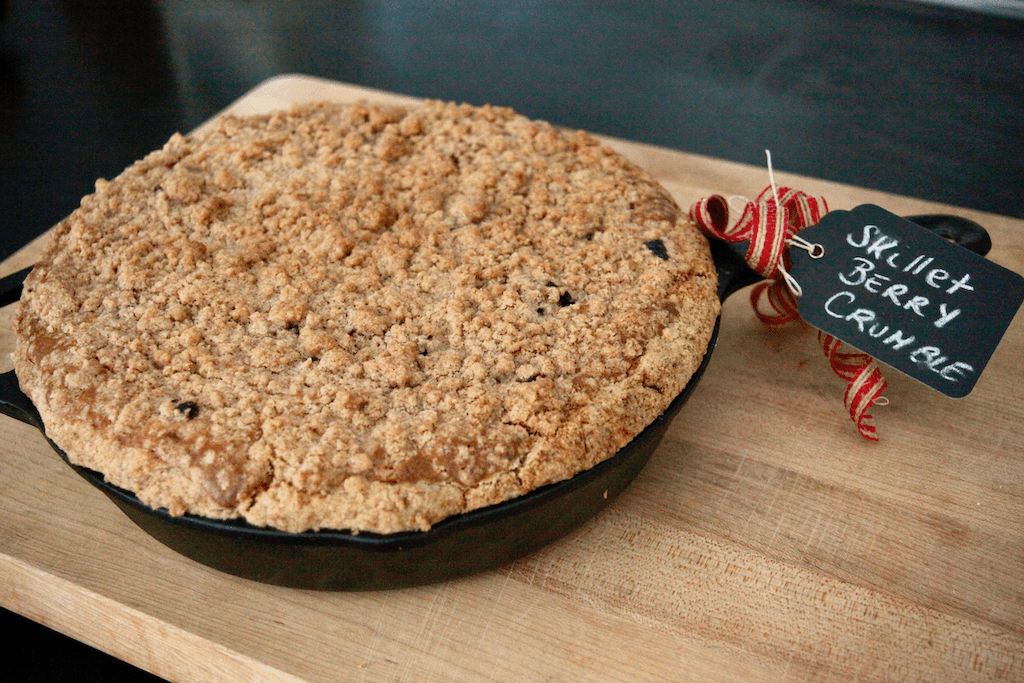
x: 865, y: 382
x: 767, y: 223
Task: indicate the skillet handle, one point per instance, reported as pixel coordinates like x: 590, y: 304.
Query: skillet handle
x: 957, y: 229
x: 13, y: 402
x: 734, y: 273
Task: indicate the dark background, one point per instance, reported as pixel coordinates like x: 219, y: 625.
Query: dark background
x: 918, y: 99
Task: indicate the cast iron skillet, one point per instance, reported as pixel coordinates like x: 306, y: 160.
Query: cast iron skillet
x: 457, y: 546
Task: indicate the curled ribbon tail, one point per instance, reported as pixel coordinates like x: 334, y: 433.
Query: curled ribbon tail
x: 866, y: 383
x: 779, y: 298
x: 711, y: 215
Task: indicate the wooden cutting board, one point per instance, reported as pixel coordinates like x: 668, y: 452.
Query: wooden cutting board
x: 765, y: 541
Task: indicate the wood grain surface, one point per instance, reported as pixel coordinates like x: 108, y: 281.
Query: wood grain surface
x: 765, y: 541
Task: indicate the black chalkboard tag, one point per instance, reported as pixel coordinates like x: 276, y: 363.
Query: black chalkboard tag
x: 905, y: 296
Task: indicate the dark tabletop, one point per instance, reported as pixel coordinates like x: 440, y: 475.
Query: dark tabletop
x: 917, y: 99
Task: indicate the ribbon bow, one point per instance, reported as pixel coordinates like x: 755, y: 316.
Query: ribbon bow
x: 769, y: 224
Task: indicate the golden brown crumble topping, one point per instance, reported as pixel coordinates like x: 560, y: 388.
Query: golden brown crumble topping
x: 363, y: 317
